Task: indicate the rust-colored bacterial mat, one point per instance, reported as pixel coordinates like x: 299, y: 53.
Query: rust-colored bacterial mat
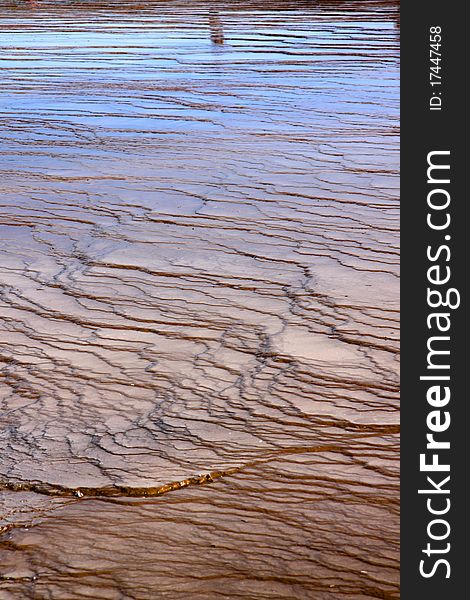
x: 199, y: 300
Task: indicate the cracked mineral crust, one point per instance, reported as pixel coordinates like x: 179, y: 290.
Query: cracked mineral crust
x: 199, y: 259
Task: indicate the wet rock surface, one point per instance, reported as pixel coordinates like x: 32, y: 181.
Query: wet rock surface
x: 199, y: 295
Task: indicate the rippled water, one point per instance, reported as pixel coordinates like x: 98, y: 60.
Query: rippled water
x: 199, y: 285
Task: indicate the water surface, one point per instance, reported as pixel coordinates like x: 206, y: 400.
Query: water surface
x: 199, y: 283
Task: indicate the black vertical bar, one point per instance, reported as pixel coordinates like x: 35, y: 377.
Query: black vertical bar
x: 434, y: 261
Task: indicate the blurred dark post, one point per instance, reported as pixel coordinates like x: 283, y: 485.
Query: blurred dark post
x: 215, y: 24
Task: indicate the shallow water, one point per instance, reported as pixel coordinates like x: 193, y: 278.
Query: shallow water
x: 199, y: 300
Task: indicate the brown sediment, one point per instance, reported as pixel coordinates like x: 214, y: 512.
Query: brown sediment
x: 199, y: 263
x: 50, y: 489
